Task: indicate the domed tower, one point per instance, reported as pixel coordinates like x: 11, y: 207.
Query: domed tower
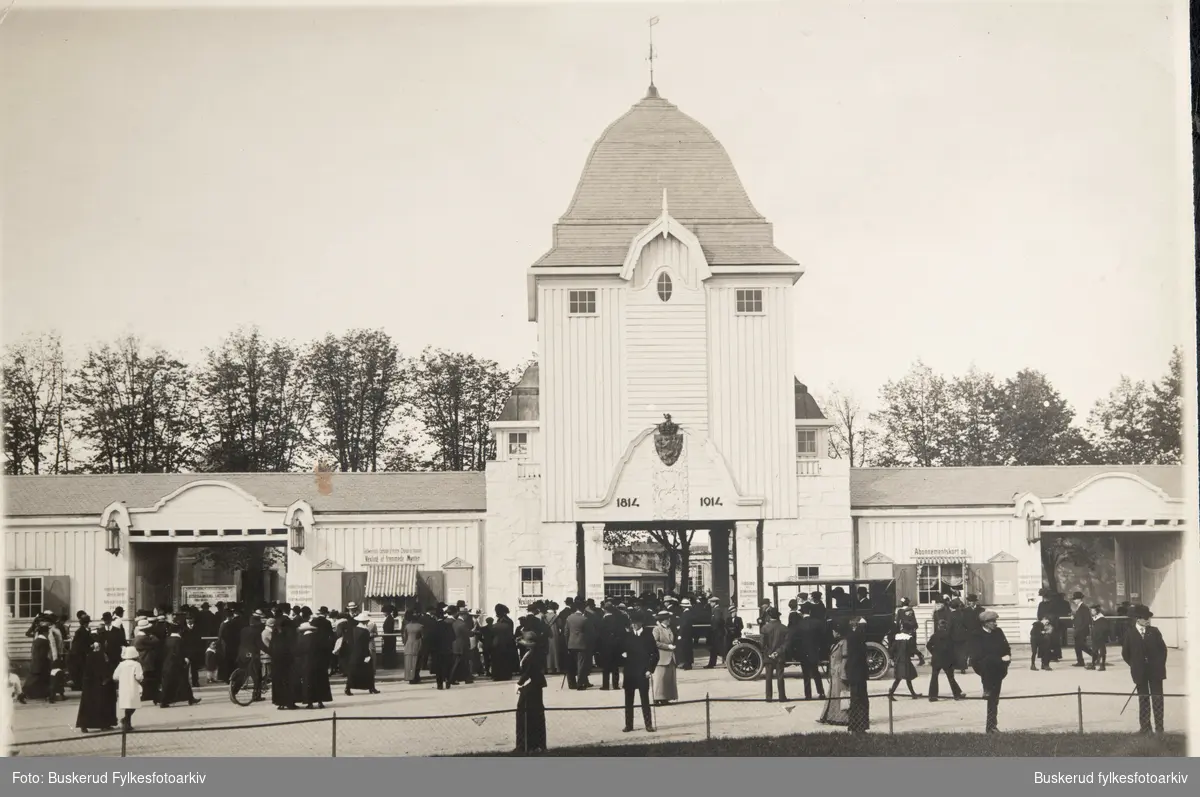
x: 665, y: 391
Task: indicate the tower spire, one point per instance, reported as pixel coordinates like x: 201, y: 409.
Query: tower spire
x: 653, y: 90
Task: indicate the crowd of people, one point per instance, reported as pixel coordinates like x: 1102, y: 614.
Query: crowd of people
x: 636, y: 644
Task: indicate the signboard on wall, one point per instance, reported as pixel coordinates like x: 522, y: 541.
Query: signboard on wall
x: 116, y: 596
x: 392, y: 556
x: 940, y: 553
x: 210, y: 594
x: 300, y: 594
x: 455, y: 594
x: 1028, y: 587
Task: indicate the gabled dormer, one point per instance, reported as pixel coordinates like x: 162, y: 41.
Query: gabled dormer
x: 517, y: 430
x: 812, y: 433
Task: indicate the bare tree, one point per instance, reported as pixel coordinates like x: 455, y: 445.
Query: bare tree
x: 36, y: 436
x: 853, y: 436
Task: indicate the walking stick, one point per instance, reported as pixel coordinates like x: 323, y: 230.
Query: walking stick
x: 653, y: 708
x: 1131, y: 694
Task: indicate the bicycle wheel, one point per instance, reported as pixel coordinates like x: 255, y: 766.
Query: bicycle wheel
x: 241, y: 687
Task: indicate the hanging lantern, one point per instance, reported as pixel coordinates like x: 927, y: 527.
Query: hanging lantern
x: 113, y: 543
x: 296, y: 535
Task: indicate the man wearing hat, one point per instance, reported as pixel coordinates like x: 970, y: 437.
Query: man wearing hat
x: 148, y: 647
x: 1145, y: 651
x: 81, y: 646
x: 463, y: 626
x: 612, y: 630
x: 250, y: 650
x: 578, y: 646
x: 1049, y: 617
x: 991, y: 658
x: 639, y: 654
x: 1082, y: 623
x: 717, y: 633
x: 684, y: 653
x: 776, y: 638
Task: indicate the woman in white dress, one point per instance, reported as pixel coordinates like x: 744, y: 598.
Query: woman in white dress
x: 665, y: 687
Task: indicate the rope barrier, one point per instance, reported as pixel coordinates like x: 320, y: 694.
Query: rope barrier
x: 507, y: 711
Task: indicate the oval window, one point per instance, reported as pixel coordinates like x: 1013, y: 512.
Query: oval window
x: 664, y: 286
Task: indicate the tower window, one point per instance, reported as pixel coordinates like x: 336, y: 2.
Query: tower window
x: 806, y: 442
x: 518, y: 444
x: 749, y: 300
x: 583, y: 302
x: 664, y: 286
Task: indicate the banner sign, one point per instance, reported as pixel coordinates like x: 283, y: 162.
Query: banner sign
x: 210, y: 594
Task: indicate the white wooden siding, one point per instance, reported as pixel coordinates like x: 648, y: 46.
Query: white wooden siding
x: 581, y: 393
x: 982, y: 536
x: 76, y: 552
x: 439, y: 542
x: 666, y: 343
x: 752, y: 396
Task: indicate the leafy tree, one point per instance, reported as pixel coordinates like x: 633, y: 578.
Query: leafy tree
x: 976, y: 404
x: 456, y: 397
x: 852, y: 436
x: 915, y: 419
x: 1120, y: 425
x: 36, y: 431
x: 1165, y: 412
x: 358, y: 384
x: 257, y: 405
x: 136, y: 408
x: 1036, y: 425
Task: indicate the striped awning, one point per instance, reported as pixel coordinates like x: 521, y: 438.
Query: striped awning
x: 947, y: 559
x: 391, y: 581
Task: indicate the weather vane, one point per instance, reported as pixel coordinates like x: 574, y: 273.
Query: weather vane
x: 653, y: 22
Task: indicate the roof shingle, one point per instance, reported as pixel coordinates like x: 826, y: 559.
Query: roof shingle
x: 878, y: 488
x: 34, y: 496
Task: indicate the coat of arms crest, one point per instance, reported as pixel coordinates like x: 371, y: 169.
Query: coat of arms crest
x: 668, y: 441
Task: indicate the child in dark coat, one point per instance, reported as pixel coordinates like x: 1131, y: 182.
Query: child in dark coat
x: 1041, y: 645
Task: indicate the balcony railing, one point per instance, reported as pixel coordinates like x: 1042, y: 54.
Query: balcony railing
x: 808, y: 467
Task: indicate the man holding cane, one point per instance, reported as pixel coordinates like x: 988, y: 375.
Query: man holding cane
x: 1146, y: 654
x: 639, y: 652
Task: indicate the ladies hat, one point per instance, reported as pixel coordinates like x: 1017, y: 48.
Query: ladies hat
x: 363, y: 617
x: 306, y: 626
x: 663, y: 613
x: 129, y: 653
x: 988, y: 617
x: 142, y: 624
x: 686, y: 603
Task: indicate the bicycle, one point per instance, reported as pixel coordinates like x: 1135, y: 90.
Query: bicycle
x: 241, y: 685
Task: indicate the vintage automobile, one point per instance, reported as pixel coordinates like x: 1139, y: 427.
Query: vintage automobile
x: 874, y: 601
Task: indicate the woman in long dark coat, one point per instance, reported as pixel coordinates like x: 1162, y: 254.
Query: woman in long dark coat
x: 37, y: 683
x: 176, y: 678
x: 98, y: 702
x: 81, y: 649
x: 312, y: 668
x: 531, y: 709
x: 228, y: 638
x: 389, y: 659
x: 283, y: 644
x: 504, y: 646
x: 360, y: 662
x: 903, y: 648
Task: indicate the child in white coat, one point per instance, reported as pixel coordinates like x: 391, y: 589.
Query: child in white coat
x: 128, y: 677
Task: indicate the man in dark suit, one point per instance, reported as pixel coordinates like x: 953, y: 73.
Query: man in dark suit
x: 1099, y: 640
x: 990, y: 660
x: 460, y: 649
x: 612, y: 631
x: 810, y: 633
x: 857, y: 675
x: 819, y: 610
x: 194, y: 645
x: 639, y: 654
x: 1082, y: 622
x: 441, y: 650
x: 775, y: 637
x: 578, y: 647
x: 565, y: 660
x: 1146, y: 654
x: 717, y: 633
x: 250, y: 650
x: 972, y: 626
x: 685, y: 636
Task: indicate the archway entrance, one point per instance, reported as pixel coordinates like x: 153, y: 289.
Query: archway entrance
x: 174, y: 574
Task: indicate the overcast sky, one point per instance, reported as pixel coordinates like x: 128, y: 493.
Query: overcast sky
x: 967, y: 182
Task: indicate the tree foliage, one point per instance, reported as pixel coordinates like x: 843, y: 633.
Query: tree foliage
x: 1059, y: 550
x: 136, y: 406
x: 37, y: 437
x: 358, y: 385
x: 915, y: 419
x: 455, y: 397
x: 257, y: 405
x: 1037, y: 425
x: 853, y: 436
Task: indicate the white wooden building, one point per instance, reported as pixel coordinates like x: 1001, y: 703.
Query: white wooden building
x: 663, y: 294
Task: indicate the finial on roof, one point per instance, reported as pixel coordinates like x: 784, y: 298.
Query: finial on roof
x: 664, y: 201
x: 652, y: 91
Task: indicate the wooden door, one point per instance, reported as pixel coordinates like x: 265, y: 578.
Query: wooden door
x: 354, y: 588
x: 431, y: 587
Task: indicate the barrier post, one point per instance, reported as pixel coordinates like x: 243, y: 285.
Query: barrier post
x: 891, y: 726
x: 1079, y: 699
x: 123, y: 732
x: 334, y: 750
x: 707, y: 717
